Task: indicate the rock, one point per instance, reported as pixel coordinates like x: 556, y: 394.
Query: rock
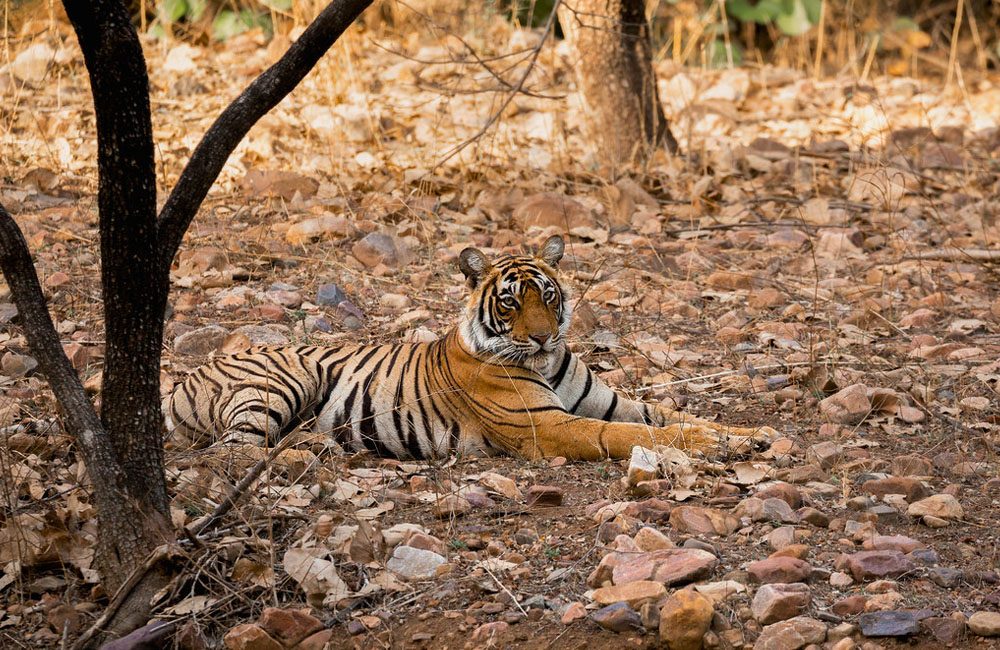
x: 946, y: 577
x: 633, y: 593
x: 985, y: 623
x: 850, y: 605
x: 900, y: 543
x: 414, y: 563
x: 330, y: 295
x: 703, y: 521
x: 451, y: 505
x: 779, y: 510
x: 825, y: 454
x: 486, y: 632
x: 780, y: 569
x: 249, y: 637
x: 649, y: 614
x: 264, y: 334
x: 814, y: 517
x: 671, y: 567
x: 550, y: 209
x: 720, y: 591
x: 784, y: 491
x: 840, y: 579
x: 317, y: 641
x: 913, y: 489
x: 847, y: 406
x: 650, y: 539
x: 912, y: 465
x: 200, y: 342
x: 416, y: 539
x: 288, y: 626
x: 893, y: 623
x: 33, y: 62
x: 544, y: 495
x: 501, y: 485
x: 573, y: 612
x: 326, y: 227
x: 525, y: 536
x: 944, y: 506
x: 644, y: 466
x: 792, y: 634
x: 190, y: 637
x: 778, y: 602
x: 944, y: 629
x: 684, y: 620
x: 379, y: 248
x: 781, y: 537
x: 869, y: 565
x: 618, y: 618
x: 63, y: 618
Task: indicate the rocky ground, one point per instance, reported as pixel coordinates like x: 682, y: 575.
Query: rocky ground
x: 819, y: 260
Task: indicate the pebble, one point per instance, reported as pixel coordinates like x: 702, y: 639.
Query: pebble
x: 814, y: 517
x: 684, y: 620
x: 289, y: 626
x: 633, y: 593
x: 451, y: 505
x: 850, y: 605
x: 946, y: 577
x: 200, y: 342
x: 672, y: 566
x: 525, y: 536
x: 944, y: 506
x: 643, y: 466
x: 778, y: 510
x: 784, y: 491
x: 378, y: 248
x: 330, y: 295
x: 487, y: 631
x: 867, y: 565
x: 847, y: 406
x: 250, y: 637
x: 944, y: 629
x: 780, y: 569
x: 544, y: 495
x: 778, y: 602
x: 840, y: 579
x: 913, y: 489
x: 650, y: 539
x: 414, y: 563
x: 792, y: 634
x: 694, y: 520
x: 985, y: 623
x: 911, y: 465
x: 892, y: 623
x: 573, y: 612
x: 551, y: 209
x: 618, y: 617
x: 900, y: 543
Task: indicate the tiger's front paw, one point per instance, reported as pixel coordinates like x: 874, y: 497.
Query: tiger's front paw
x: 746, y: 440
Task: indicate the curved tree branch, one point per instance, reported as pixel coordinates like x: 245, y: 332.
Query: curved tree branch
x: 253, y: 103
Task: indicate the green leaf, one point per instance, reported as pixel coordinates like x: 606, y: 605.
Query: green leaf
x: 279, y: 5
x: 196, y: 8
x: 228, y: 24
x: 905, y: 24
x: 796, y: 21
x: 813, y: 9
x: 170, y: 11
x: 717, y: 54
x: 762, y: 12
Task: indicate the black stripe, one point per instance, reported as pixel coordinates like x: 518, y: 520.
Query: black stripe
x: 561, y: 373
x: 611, y: 409
x: 412, y: 443
x: 586, y: 391
x: 348, y: 408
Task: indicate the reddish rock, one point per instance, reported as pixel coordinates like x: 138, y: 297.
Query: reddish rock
x: 784, y: 491
x: 913, y: 489
x: 673, y: 566
x: 814, y: 517
x: 900, y: 543
x: 550, y: 209
x: 912, y: 465
x: 633, y: 593
x: 315, y: 641
x: 574, y: 612
x: 288, y: 626
x: 544, y: 495
x: 379, y: 248
x: 800, y: 551
x: 870, y: 565
x: 780, y: 569
x: 703, y: 521
x: 64, y: 617
x: 269, y: 312
x: 792, y: 634
x: 850, y: 605
x: 486, y: 632
x: 944, y: 629
x: 250, y: 637
x: 848, y: 406
x: 778, y: 602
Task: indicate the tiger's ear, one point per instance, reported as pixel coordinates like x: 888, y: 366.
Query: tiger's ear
x: 473, y: 264
x: 552, y: 250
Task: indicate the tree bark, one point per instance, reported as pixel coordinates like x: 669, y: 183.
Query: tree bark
x: 614, y: 72
x: 122, y: 448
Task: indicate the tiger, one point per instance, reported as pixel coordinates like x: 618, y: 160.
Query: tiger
x: 502, y: 380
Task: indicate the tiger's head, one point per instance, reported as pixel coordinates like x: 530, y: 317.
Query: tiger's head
x: 518, y: 310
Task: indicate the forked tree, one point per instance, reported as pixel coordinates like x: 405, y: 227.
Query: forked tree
x: 613, y: 66
x: 122, y: 446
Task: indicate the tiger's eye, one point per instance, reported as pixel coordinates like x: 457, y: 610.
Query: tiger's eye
x: 508, y: 303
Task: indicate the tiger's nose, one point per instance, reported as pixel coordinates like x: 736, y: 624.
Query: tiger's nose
x: 540, y: 339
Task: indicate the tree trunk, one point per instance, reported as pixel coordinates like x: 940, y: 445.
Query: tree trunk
x: 614, y: 73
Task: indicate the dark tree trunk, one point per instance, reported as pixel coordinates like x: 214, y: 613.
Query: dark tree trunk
x: 614, y: 72
x: 122, y: 447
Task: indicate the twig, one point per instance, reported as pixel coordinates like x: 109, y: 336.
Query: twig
x: 957, y: 255
x: 451, y: 153
x: 505, y: 589
x: 724, y: 373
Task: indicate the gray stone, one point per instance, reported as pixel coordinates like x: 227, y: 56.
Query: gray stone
x: 200, y: 342
x: 776, y: 509
x: 330, y: 295
x: 892, y: 623
x: 264, y: 335
x: 947, y: 577
x: 618, y: 617
x: 414, y: 563
x: 944, y: 629
x: 778, y: 602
